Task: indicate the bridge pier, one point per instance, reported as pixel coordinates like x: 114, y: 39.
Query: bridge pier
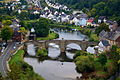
x: 62, y: 46
x: 83, y: 47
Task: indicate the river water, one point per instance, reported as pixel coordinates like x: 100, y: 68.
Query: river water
x: 53, y: 69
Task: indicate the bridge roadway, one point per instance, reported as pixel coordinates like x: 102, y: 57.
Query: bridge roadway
x: 62, y: 44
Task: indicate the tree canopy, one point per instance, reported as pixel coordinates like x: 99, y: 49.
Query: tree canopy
x: 42, y: 27
x: 6, y: 33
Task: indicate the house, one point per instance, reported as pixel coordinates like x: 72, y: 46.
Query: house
x: 32, y: 35
x: 90, y: 21
x: 17, y: 36
x: 113, y: 37
x: 112, y: 25
x: 82, y: 22
x: 102, y: 19
x: 19, y: 11
x: 103, y: 46
x: 103, y: 35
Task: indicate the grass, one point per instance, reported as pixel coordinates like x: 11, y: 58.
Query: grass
x: 20, y: 70
x: 17, y: 57
x: 49, y: 37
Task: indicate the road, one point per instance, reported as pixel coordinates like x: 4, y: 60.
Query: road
x: 4, y: 58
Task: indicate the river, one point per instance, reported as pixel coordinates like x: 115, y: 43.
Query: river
x: 54, y: 69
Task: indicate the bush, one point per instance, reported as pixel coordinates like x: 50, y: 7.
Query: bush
x: 79, y: 53
x: 111, y: 67
x: 42, y: 52
x: 102, y: 59
x: 98, y: 66
x: 94, y: 37
x: 84, y: 64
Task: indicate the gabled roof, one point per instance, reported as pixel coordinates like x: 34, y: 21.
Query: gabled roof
x: 113, y: 35
x: 103, y: 34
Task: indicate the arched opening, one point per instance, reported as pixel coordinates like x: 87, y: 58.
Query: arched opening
x: 71, y: 48
x: 31, y: 49
x: 53, y: 50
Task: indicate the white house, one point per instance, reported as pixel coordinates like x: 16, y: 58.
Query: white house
x: 103, y: 46
x: 82, y: 22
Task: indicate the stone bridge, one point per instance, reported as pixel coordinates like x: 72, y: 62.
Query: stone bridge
x: 62, y: 44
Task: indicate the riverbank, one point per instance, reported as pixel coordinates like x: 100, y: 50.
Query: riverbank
x: 51, y: 36
x: 20, y: 70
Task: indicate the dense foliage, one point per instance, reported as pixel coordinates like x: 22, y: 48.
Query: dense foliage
x: 6, y: 33
x: 41, y: 26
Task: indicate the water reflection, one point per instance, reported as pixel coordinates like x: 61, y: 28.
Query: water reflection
x: 53, y: 52
x: 54, y: 70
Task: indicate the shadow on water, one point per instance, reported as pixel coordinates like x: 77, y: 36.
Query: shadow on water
x: 62, y: 57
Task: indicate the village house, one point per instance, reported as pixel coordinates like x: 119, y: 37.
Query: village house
x: 102, y: 19
x: 90, y: 22
x: 113, y: 37
x: 17, y: 36
x: 32, y: 35
x: 103, y: 46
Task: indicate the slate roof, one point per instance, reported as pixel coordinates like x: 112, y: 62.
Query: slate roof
x: 103, y: 34
x: 105, y: 43
x: 113, y: 35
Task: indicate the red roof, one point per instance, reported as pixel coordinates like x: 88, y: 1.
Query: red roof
x: 90, y: 20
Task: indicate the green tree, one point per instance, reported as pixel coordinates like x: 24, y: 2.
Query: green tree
x: 84, y: 64
x: 102, y: 59
x: 42, y: 27
x: 6, y: 33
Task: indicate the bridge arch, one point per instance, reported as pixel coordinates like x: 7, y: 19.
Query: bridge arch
x: 73, y: 46
x: 53, y: 50
x: 83, y: 44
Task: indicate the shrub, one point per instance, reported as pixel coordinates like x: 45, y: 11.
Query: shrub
x: 79, y: 53
x: 84, y: 64
x: 111, y: 67
x: 42, y: 52
x: 94, y: 37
